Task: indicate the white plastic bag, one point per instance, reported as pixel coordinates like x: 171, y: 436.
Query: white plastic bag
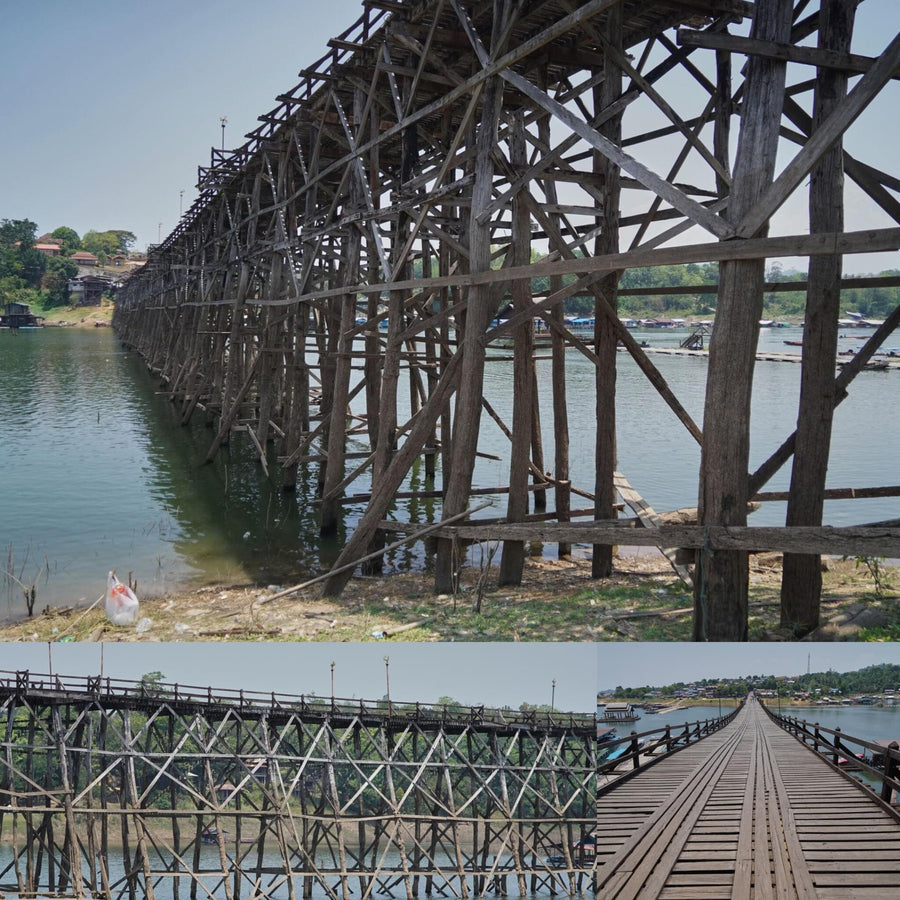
x: 121, y: 604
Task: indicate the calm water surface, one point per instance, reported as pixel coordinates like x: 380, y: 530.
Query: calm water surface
x: 872, y: 723
x: 97, y: 474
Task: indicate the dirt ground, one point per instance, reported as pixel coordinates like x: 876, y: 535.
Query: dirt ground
x: 558, y: 601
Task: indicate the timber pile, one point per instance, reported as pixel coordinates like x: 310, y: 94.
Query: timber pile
x: 341, y: 273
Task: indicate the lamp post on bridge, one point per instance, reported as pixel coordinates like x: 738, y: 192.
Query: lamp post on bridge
x: 387, y: 678
x: 552, y: 695
x: 224, y: 121
x: 332, y: 682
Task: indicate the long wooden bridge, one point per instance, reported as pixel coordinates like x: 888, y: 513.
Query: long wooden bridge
x: 115, y: 789
x: 340, y: 276
x: 748, y: 812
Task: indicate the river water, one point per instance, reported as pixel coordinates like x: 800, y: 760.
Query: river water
x: 97, y: 474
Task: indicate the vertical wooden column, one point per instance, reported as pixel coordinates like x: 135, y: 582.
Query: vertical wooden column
x: 801, y: 585
x: 337, y: 427
x: 513, y: 558
x: 721, y: 582
x: 70, y: 864
x: 298, y: 331
x: 481, y: 308
x: 562, y: 492
x: 606, y: 335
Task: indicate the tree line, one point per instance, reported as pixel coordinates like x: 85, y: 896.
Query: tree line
x: 29, y: 276
x: 870, y: 680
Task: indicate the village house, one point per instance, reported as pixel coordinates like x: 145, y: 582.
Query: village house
x: 88, y: 290
x: 83, y: 258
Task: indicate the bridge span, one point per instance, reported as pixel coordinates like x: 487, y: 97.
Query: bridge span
x: 748, y: 812
x: 115, y: 789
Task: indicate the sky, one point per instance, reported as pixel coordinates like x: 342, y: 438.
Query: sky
x: 506, y: 674
x: 108, y: 107
x: 637, y: 665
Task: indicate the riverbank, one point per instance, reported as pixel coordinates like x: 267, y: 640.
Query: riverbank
x: 78, y: 316
x: 557, y: 601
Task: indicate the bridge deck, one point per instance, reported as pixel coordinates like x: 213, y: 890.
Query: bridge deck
x: 746, y: 813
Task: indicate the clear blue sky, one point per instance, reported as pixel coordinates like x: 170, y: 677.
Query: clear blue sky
x: 493, y: 674
x: 109, y: 106
x: 636, y: 665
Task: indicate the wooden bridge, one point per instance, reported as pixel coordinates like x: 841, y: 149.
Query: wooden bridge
x: 452, y: 170
x: 115, y: 789
x: 748, y: 812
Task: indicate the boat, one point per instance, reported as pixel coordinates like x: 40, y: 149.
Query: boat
x: 794, y: 343
x: 871, y: 366
x: 618, y: 712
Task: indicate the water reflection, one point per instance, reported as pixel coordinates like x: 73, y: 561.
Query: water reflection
x: 99, y: 474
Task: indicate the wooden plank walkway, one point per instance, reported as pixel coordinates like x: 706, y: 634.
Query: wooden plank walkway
x: 748, y: 812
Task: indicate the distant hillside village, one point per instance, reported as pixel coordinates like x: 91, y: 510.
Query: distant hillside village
x: 874, y: 684
x: 59, y: 268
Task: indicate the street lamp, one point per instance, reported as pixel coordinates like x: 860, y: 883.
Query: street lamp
x: 180, y: 202
x: 224, y: 121
x: 552, y: 695
x: 387, y: 678
x: 332, y: 681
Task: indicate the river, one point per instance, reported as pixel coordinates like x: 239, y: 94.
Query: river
x: 98, y: 475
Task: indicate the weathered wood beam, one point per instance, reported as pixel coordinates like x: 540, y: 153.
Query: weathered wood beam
x: 801, y: 584
x: 810, y: 56
x: 721, y: 579
x: 850, y: 541
x: 838, y: 121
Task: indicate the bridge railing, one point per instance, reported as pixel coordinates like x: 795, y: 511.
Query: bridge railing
x: 647, y: 747
x: 882, y: 763
x: 106, y: 689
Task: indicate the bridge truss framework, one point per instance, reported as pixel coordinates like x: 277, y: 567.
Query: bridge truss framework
x: 111, y: 791
x: 411, y: 177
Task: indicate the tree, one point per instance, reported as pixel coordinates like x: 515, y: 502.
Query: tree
x: 102, y: 244
x: 127, y: 239
x: 21, y: 231
x: 69, y: 237
x: 151, y: 683
x: 56, y: 280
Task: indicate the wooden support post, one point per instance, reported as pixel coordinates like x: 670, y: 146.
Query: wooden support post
x: 721, y: 582
x: 513, y: 559
x: 562, y: 490
x: 482, y: 306
x: 801, y: 584
x: 605, y: 334
x: 334, y: 473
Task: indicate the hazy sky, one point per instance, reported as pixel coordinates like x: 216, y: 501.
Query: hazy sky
x: 109, y: 107
x: 493, y: 674
x: 635, y: 665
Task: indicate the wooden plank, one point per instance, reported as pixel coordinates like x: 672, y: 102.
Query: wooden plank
x: 841, y: 117
x: 878, y: 541
x: 811, y: 56
x: 650, y: 519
